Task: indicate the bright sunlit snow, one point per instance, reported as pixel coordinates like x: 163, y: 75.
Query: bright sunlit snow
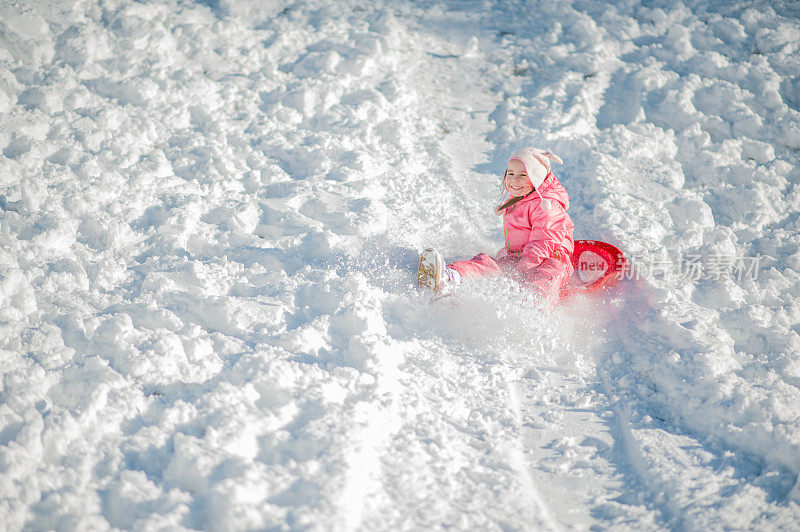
x: 210, y: 218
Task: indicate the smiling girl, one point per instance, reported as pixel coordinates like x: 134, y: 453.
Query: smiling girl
x: 538, y: 233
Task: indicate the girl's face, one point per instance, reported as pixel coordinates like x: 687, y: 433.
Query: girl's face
x: 516, y: 181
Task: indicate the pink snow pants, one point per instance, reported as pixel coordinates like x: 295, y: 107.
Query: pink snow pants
x: 548, y: 278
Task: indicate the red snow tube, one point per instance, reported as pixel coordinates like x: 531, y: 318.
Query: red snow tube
x: 598, y: 266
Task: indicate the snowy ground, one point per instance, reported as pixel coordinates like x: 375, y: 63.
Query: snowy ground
x: 209, y: 223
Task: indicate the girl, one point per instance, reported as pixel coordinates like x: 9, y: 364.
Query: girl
x: 537, y: 229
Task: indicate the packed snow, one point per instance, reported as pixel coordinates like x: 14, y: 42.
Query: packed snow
x: 210, y: 217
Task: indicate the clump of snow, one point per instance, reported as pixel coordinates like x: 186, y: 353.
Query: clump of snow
x: 210, y: 215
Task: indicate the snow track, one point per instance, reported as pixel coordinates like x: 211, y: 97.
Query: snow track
x: 210, y: 215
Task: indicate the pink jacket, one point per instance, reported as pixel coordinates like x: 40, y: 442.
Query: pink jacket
x: 534, y: 234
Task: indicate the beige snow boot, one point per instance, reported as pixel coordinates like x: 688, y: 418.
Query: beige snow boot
x: 433, y: 274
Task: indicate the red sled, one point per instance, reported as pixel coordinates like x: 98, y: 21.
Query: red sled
x: 598, y: 266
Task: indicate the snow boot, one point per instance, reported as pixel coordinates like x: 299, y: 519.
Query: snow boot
x: 433, y: 274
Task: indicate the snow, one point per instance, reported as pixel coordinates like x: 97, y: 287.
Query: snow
x: 210, y: 216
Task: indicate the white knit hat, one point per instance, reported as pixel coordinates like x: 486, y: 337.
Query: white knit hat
x: 537, y: 163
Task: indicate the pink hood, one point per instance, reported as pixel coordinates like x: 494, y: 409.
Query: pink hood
x: 533, y: 233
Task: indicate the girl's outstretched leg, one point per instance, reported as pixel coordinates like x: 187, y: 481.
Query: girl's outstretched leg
x: 479, y: 266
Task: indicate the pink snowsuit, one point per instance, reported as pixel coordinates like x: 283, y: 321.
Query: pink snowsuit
x: 539, y: 243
